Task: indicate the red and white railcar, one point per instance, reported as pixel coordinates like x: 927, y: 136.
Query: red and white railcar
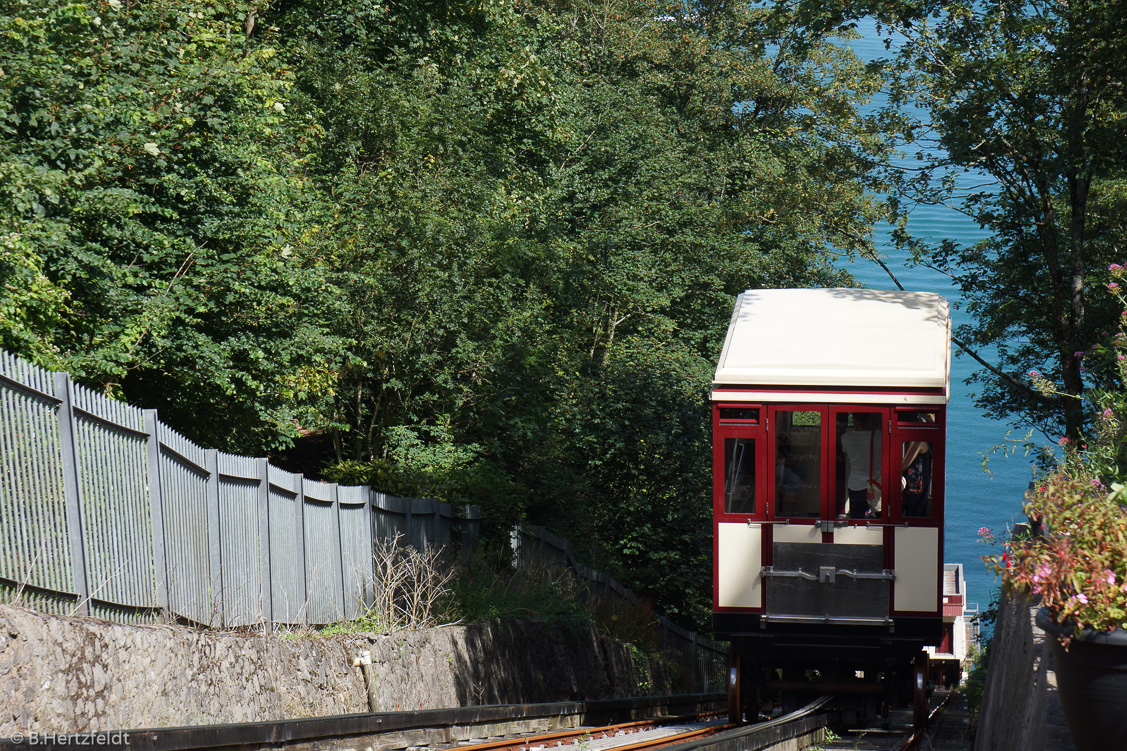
x: 821, y: 397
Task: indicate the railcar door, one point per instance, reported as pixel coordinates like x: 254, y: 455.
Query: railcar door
x: 827, y: 513
x: 916, y: 509
x: 739, y: 505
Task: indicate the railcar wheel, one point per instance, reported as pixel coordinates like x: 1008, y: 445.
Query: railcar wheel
x: 919, y: 691
x: 735, y: 700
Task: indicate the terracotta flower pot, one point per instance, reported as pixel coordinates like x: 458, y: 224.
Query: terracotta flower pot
x: 1092, y: 681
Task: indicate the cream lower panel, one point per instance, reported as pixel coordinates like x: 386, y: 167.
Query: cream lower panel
x: 859, y: 536
x: 796, y: 533
x: 916, y: 560
x: 739, y: 563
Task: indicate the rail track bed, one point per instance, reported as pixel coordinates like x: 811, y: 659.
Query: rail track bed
x: 947, y: 730
x: 675, y: 723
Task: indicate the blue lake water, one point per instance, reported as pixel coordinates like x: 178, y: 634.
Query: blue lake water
x: 974, y: 497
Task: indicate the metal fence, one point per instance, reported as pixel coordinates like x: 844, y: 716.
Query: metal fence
x: 106, y: 511
x: 701, y: 661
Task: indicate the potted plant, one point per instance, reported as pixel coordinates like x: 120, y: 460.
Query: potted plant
x: 1077, y: 568
x: 1075, y: 562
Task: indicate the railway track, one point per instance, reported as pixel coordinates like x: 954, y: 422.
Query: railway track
x: 799, y: 729
x: 629, y: 736
x: 387, y: 731
x: 681, y: 723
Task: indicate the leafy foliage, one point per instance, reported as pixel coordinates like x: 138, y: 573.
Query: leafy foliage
x: 1027, y: 99
x: 488, y: 248
x: 1078, y: 570
x: 150, y: 207
x: 1077, y: 564
x: 487, y: 587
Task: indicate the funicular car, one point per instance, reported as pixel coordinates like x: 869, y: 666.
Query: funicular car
x: 829, y: 415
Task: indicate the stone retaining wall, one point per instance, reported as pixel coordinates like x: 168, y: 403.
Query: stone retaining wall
x: 1020, y: 706
x: 1012, y: 716
x: 70, y: 674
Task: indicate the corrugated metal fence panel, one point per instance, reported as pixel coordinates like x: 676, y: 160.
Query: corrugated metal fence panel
x: 469, y: 528
x: 288, y: 601
x: 113, y: 473
x: 238, y: 524
x: 389, y: 517
x: 356, y: 548
x: 33, y: 529
x: 26, y: 374
x: 430, y: 523
x: 44, y: 602
x: 442, y: 524
x: 322, y: 554
x: 184, y: 489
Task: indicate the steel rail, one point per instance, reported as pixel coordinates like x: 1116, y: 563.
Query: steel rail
x: 606, y: 731
x: 913, y: 741
x: 671, y: 740
x: 622, y: 731
x: 789, y: 727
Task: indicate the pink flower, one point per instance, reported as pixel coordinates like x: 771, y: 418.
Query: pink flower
x: 1121, y: 357
x: 1078, y: 354
x: 1082, y: 598
x: 1115, y: 267
x: 1064, y: 441
x: 1112, y: 286
x: 984, y: 530
x: 1108, y: 414
x: 1043, y: 572
x: 1111, y: 578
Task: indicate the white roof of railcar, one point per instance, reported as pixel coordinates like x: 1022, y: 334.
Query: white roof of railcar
x: 849, y: 338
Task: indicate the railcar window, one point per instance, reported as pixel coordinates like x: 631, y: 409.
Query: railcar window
x: 923, y: 419
x: 915, y: 478
x: 798, y: 463
x: 739, y: 476
x: 739, y: 414
x: 859, y: 437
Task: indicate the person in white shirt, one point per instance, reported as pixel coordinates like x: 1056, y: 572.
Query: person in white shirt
x: 861, y: 445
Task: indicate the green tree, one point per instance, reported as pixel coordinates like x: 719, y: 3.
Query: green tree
x: 151, y: 212
x: 491, y: 248
x: 526, y: 197
x: 642, y: 442
x: 1029, y: 96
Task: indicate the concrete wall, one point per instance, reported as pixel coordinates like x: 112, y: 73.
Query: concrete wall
x: 1012, y: 716
x: 70, y: 674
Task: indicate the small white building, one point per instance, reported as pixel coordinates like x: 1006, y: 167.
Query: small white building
x: 948, y: 657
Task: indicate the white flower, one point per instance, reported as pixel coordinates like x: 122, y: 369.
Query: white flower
x: 152, y: 148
